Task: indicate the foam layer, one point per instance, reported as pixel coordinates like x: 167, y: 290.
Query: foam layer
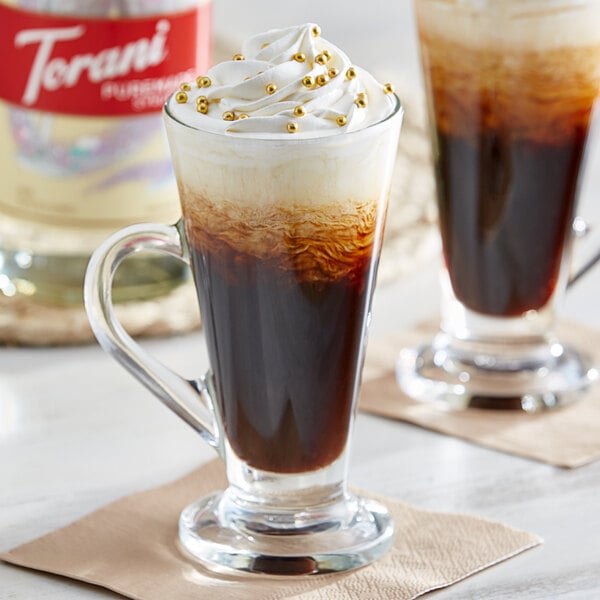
x: 524, y: 24
x: 311, y: 246
x: 310, y: 207
x: 285, y: 81
x: 331, y: 170
x: 512, y: 74
x: 313, y: 209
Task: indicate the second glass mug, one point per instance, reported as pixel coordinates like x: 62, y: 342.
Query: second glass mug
x: 511, y: 87
x: 283, y: 237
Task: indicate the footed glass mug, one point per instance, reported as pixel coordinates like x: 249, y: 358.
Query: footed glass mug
x: 283, y: 238
x: 511, y: 86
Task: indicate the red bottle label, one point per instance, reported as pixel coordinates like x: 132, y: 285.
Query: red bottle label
x: 82, y: 66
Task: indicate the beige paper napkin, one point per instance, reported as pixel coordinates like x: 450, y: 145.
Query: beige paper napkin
x: 130, y: 547
x: 568, y: 437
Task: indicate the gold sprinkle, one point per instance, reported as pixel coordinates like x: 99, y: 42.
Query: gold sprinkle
x: 186, y: 87
x: 181, y: 97
x: 299, y: 57
x: 361, y: 95
x: 202, y: 108
x: 238, y: 57
x: 292, y: 127
x: 320, y: 59
x: 262, y: 48
x: 203, y: 82
x: 316, y: 31
x: 308, y: 81
x: 341, y: 120
x: 299, y: 111
x: 327, y: 54
x: 271, y: 88
x: 361, y: 102
x: 333, y: 72
x: 228, y: 116
x: 388, y: 88
x: 351, y: 73
x: 322, y: 79
x: 243, y: 116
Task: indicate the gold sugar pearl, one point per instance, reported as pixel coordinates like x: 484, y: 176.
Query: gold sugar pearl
x: 361, y: 95
x: 186, y: 87
x: 202, y: 108
x: 181, y: 97
x: 351, y: 73
x: 322, y: 79
x: 299, y: 111
x: 203, y: 82
x: 299, y: 57
x: 341, y: 120
x: 201, y: 100
x: 271, y: 88
x: 333, y: 72
x: 243, y: 116
x: 320, y: 59
x: 292, y: 127
x: 316, y: 31
x: 388, y: 88
x: 326, y: 54
x: 238, y: 57
x: 228, y: 116
x: 308, y: 81
x: 361, y: 102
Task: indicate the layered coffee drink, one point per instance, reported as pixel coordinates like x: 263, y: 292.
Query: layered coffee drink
x: 283, y: 180
x: 513, y: 85
x: 285, y: 321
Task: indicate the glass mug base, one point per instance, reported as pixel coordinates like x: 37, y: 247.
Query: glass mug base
x: 535, y: 378
x: 346, y: 534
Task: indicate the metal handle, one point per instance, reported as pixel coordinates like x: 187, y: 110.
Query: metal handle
x: 191, y: 400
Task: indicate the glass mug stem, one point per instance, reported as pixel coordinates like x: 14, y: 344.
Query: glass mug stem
x: 189, y: 399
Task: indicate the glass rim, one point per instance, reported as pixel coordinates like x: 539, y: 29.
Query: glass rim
x: 398, y: 110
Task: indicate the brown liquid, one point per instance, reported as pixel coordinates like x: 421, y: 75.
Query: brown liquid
x: 284, y: 301
x: 510, y: 136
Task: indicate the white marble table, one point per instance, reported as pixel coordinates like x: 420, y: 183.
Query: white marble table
x: 77, y: 432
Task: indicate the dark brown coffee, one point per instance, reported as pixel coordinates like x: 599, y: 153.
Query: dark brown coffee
x: 283, y: 295
x: 503, y: 240
x: 510, y: 132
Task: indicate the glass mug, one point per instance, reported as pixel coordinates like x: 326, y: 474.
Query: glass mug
x: 511, y: 88
x: 283, y: 238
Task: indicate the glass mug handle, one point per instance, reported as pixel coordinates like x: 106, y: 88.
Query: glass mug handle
x: 189, y: 399
x: 581, y: 230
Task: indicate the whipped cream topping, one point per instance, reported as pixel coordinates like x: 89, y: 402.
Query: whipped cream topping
x: 285, y: 81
